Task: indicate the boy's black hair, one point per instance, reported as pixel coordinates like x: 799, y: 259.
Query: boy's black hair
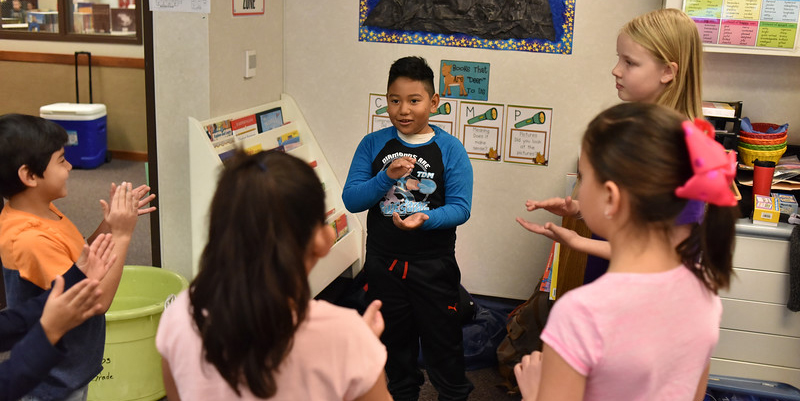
x: 26, y: 140
x: 415, y: 68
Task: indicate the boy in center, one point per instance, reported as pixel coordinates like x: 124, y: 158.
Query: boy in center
x: 416, y: 181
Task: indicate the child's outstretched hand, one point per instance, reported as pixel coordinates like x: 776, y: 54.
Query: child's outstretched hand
x: 400, y: 167
x: 138, y: 193
x: 374, y: 318
x: 412, y: 222
x: 558, y: 206
x: 529, y: 374
x: 554, y: 232
x: 95, y: 260
x: 66, y: 310
x: 121, y: 214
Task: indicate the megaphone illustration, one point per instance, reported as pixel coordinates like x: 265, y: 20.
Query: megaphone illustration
x: 537, y: 118
x: 490, y: 114
x: 443, y: 109
x: 382, y: 110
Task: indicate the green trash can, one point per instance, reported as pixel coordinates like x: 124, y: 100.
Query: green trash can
x: 131, y: 363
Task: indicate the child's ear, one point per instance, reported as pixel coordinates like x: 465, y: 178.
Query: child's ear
x: 434, y: 102
x: 670, y: 72
x: 613, y: 199
x: 26, y: 176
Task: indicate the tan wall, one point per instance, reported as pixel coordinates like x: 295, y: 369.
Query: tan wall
x: 26, y: 86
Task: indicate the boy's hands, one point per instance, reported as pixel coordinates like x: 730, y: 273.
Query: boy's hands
x: 412, y: 222
x: 65, y: 310
x: 374, y: 318
x: 138, y: 193
x: 95, y: 260
x: 121, y: 214
x: 529, y: 375
x: 400, y: 167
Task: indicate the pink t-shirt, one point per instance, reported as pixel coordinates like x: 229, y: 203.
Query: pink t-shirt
x: 335, y: 357
x: 637, y: 336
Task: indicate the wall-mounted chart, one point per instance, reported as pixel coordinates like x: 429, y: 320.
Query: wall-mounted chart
x: 528, y: 135
x: 481, y: 129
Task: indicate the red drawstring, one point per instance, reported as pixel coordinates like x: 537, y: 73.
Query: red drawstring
x: 405, y: 271
x: 392, y: 266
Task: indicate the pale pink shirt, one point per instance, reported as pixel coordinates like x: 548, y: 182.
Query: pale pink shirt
x: 335, y: 357
x: 637, y: 336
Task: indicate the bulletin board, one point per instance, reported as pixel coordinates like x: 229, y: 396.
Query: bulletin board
x: 543, y: 26
x: 768, y: 27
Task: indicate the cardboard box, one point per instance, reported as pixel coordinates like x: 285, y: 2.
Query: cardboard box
x: 765, y: 211
x: 787, y: 203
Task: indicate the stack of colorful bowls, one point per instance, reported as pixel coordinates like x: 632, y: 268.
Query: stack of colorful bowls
x: 759, y: 145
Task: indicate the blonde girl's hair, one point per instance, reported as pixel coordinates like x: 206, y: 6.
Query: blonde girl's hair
x: 671, y: 36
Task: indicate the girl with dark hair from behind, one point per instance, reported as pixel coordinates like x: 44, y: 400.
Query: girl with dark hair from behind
x: 646, y: 328
x: 246, y: 328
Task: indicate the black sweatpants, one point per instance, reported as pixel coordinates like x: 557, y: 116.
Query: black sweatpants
x: 420, y: 302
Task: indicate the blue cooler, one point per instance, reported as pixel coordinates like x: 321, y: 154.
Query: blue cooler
x: 727, y: 388
x: 85, y: 124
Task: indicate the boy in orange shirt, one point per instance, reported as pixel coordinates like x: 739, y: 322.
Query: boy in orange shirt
x: 38, y: 243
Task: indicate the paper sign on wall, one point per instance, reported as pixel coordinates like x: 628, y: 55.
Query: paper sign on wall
x: 481, y: 129
x: 464, y: 80
x: 528, y: 136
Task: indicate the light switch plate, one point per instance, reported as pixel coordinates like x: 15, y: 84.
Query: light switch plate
x: 249, y: 63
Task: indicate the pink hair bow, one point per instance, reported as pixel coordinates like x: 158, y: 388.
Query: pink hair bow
x: 714, y: 168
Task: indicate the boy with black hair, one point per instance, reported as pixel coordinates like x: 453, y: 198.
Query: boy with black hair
x: 38, y: 243
x: 416, y: 181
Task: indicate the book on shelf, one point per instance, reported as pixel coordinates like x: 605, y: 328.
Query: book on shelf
x: 244, y: 127
x: 101, y: 18
x: 719, y: 109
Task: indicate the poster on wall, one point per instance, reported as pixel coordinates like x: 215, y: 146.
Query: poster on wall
x: 764, y: 24
x: 481, y: 129
x: 378, y: 116
x: 248, y: 7
x: 444, y: 117
x: 543, y: 26
x: 528, y: 135
x: 464, y: 80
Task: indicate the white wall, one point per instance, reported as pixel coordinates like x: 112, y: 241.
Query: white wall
x: 199, y: 61
x: 330, y: 74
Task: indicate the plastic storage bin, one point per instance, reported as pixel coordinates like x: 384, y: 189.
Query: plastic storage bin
x: 727, y: 388
x: 131, y: 363
x: 86, y: 126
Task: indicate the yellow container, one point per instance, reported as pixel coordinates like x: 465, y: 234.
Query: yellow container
x: 131, y: 363
x: 748, y: 156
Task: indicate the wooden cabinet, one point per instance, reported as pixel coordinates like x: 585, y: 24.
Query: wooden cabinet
x: 759, y: 336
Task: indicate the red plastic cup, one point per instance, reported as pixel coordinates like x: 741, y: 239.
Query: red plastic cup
x: 763, y: 171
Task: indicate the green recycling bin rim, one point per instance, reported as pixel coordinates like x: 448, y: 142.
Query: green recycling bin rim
x: 153, y: 308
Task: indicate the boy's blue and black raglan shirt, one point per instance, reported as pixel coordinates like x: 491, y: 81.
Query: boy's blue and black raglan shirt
x: 440, y: 186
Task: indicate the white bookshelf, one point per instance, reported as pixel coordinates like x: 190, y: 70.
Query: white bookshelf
x: 204, y: 164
